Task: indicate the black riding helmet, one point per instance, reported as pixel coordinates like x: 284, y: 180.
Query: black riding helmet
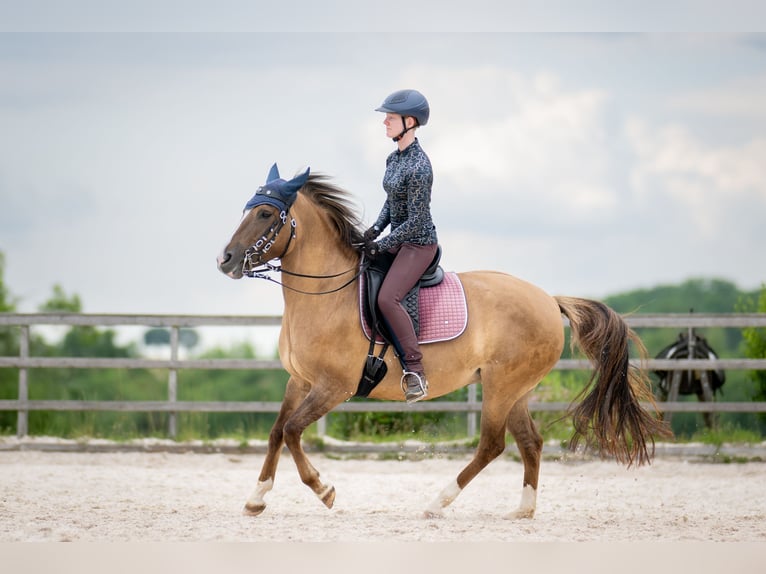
x: 407, y: 103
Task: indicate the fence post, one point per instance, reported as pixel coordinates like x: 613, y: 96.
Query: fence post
x: 472, y: 414
x: 322, y: 427
x: 173, y: 382
x: 22, y: 421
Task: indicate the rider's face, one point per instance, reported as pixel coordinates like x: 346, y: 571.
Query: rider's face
x: 394, y: 125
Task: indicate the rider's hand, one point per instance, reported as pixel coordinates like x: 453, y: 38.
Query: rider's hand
x: 371, y: 233
x: 371, y: 249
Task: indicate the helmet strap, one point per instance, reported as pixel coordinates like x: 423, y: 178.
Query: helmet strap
x: 405, y: 130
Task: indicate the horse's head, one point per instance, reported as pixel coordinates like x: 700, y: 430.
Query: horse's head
x: 263, y: 224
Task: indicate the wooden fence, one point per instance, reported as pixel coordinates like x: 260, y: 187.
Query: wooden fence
x: 173, y: 364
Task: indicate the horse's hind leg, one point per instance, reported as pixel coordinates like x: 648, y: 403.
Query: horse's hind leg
x: 705, y: 394
x: 295, y: 393
x: 491, y: 445
x: 530, y: 443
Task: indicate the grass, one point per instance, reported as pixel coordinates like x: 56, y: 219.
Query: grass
x: 726, y: 434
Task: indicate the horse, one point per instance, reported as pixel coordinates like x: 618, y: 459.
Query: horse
x: 514, y: 336
x: 703, y: 383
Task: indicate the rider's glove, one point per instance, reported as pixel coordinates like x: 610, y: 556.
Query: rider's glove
x: 371, y: 249
x: 371, y: 233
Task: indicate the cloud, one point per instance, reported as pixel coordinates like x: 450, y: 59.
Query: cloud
x: 699, y: 179
x: 741, y: 97
x: 135, y: 154
x: 524, y: 141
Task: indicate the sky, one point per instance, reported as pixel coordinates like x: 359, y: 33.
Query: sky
x: 586, y: 161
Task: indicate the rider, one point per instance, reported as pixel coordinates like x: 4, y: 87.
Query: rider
x: 407, y: 209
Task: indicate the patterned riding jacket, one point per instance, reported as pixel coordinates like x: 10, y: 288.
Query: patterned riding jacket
x: 407, y: 181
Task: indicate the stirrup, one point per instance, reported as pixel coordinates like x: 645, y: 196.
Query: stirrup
x: 414, y: 386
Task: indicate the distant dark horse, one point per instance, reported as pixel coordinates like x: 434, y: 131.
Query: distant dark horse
x: 704, y: 384
x: 513, y: 338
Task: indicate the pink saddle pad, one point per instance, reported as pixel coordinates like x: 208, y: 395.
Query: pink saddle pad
x: 443, y: 311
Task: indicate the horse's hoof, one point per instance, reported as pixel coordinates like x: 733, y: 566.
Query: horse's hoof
x: 252, y: 509
x: 528, y: 503
x: 433, y: 514
x: 521, y: 514
x: 328, y: 498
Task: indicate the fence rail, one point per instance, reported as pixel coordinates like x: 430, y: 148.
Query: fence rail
x: 472, y: 406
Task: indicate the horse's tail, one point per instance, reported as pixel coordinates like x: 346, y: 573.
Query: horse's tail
x: 610, y: 417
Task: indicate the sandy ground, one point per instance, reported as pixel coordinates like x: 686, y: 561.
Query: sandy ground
x: 167, y: 497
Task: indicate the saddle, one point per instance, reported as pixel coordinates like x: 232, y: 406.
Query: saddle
x: 375, y: 367
x: 373, y: 280
x: 680, y: 350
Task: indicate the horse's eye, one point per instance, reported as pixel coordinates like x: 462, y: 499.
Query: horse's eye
x: 264, y: 214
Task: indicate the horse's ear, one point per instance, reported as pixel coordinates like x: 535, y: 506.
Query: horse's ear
x: 300, y: 180
x: 273, y: 173
x: 297, y: 182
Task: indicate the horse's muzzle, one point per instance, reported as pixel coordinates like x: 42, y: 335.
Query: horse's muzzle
x: 229, y: 265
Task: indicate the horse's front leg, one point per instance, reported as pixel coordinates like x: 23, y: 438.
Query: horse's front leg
x: 317, y: 404
x: 295, y: 393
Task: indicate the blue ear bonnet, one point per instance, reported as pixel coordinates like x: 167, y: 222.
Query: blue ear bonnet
x: 278, y: 192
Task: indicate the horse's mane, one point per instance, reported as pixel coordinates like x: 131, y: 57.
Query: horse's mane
x: 337, y: 203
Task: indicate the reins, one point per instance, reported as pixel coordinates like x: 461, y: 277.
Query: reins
x: 262, y: 273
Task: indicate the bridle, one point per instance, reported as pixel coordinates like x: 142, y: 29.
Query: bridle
x: 254, y: 266
x: 264, y: 244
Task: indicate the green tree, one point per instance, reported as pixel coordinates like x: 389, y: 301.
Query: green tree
x: 60, y: 302
x: 698, y: 295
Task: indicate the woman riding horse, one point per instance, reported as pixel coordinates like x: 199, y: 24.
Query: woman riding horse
x: 513, y: 338
x: 407, y: 209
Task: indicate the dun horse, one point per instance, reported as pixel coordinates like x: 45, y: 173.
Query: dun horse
x: 513, y: 337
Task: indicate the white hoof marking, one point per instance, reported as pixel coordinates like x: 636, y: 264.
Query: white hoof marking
x: 256, y: 499
x: 444, y: 499
x: 528, y: 504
